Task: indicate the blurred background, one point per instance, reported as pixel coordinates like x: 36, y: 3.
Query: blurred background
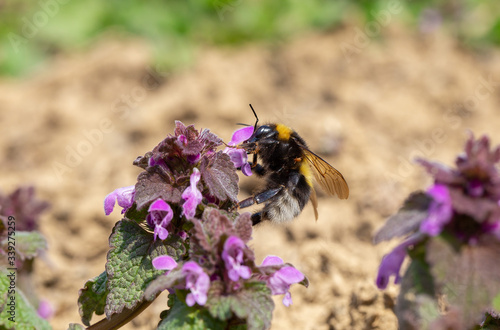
x: 86, y: 87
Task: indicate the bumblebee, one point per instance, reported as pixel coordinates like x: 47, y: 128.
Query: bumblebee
x: 288, y: 166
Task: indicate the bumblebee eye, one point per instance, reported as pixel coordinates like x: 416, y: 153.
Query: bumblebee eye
x: 263, y: 132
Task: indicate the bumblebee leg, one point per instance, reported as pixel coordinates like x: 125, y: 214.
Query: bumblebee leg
x: 256, y: 218
x: 259, y: 198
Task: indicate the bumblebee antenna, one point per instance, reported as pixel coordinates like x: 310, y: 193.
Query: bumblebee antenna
x: 256, y: 118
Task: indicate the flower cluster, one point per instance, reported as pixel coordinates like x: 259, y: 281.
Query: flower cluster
x: 195, y: 241
x: 171, y: 187
x: 21, y: 210
x: 463, y: 203
x: 453, y: 231
x: 230, y: 268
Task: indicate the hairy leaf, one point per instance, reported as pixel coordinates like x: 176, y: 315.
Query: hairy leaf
x: 92, y: 298
x: 28, y: 244
x: 243, y: 226
x: 162, y: 283
x: 129, y: 265
x: 252, y: 303
x: 151, y: 186
x: 477, y: 208
x: 181, y: 316
x: 440, y: 172
x: 17, y: 313
x: 469, y: 279
x: 220, y: 176
x: 407, y: 220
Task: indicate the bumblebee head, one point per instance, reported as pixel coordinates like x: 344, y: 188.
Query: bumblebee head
x: 261, y: 134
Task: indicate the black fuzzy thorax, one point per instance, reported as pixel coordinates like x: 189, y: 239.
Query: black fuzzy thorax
x: 282, y: 160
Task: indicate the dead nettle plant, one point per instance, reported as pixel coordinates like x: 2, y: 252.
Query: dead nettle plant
x: 21, y: 244
x: 181, y: 233
x: 452, y: 239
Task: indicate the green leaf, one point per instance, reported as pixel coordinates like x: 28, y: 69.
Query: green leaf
x: 17, y: 313
x: 28, y: 244
x: 75, y: 326
x: 181, y: 316
x: 92, y: 298
x: 137, y: 215
x: 129, y: 266
x: 252, y: 303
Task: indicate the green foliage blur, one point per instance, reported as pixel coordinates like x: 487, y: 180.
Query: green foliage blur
x: 32, y: 31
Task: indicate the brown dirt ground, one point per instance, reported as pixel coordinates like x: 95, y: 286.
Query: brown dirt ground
x: 403, y: 95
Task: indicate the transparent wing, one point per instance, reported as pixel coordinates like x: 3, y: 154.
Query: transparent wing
x: 314, y: 202
x: 327, y: 176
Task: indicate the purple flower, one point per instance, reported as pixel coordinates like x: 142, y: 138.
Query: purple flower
x: 124, y: 196
x: 391, y: 263
x: 280, y: 281
x: 164, y: 262
x: 233, y: 258
x: 192, y: 195
x: 239, y: 156
x: 159, y: 217
x: 197, y: 281
x: 45, y: 309
x: 440, y: 210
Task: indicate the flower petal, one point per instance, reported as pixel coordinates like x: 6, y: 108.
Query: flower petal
x: 241, y: 135
x: 159, y: 205
x: 391, y: 262
x: 45, y: 309
x: 440, y: 210
x: 246, y: 169
x: 290, y: 275
x: 287, y: 299
x: 124, y: 196
x: 272, y: 261
x: 164, y: 263
x: 109, y: 202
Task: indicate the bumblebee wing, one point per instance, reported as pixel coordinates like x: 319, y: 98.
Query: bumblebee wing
x: 327, y: 176
x: 314, y: 202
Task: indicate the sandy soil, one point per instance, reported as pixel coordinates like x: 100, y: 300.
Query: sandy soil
x: 74, y: 128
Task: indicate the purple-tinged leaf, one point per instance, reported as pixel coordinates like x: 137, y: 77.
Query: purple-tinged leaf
x: 24, y: 206
x: 252, y: 303
x: 243, y: 226
x: 407, y: 220
x: 440, y: 172
x: 220, y: 176
x: 469, y: 279
x: 163, y: 282
x: 477, y: 208
x: 151, y: 186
